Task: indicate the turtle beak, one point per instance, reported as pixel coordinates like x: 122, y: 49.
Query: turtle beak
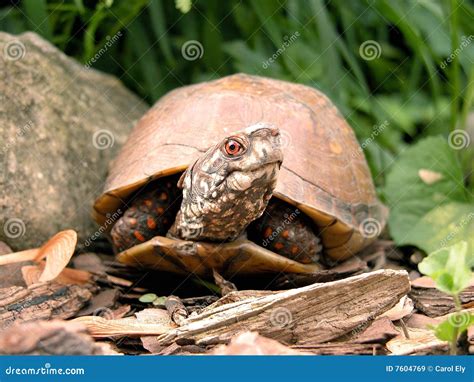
x: 277, y: 152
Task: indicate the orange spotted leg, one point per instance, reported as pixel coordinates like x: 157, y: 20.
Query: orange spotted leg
x: 285, y: 230
x: 150, y: 213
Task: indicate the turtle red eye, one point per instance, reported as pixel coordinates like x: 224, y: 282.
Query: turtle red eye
x: 232, y: 147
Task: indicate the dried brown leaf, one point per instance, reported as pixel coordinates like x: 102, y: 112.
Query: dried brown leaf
x: 58, y: 251
x: 403, y: 308
x: 68, y: 276
x: 18, y: 257
x: 31, y: 274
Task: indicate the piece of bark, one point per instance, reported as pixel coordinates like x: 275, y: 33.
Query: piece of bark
x: 99, y: 327
x: 378, y: 332
x: 289, y: 316
x: 435, y: 303
x: 420, y: 321
x: 175, y: 349
x: 335, y: 348
x: 421, y: 342
x: 41, y: 301
x: 89, y: 262
x: 101, y: 304
x: 240, y: 295
x: 121, y: 311
x: 348, y: 268
x: 194, y: 305
x: 49, y: 338
x: 153, y: 316
x: 251, y: 343
x: 176, y: 310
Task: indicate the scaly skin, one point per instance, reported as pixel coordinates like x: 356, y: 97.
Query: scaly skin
x: 285, y: 230
x: 224, y: 191
x: 150, y: 213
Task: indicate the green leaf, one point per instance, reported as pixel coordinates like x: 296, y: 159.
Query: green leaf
x: 428, y: 201
x: 183, y: 5
x: 450, y: 267
x: 441, y: 227
x: 159, y: 301
x: 147, y: 298
x: 37, y: 15
x: 158, y: 24
x: 456, y: 323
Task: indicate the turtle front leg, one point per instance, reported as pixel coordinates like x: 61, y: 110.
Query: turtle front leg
x: 150, y: 213
x: 285, y: 230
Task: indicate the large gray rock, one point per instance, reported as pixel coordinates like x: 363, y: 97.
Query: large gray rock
x: 60, y: 125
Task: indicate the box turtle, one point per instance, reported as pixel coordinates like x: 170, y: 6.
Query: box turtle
x: 243, y: 174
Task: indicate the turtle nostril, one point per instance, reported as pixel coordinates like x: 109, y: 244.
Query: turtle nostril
x: 274, y: 131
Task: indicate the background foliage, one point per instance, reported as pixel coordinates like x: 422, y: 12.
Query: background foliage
x: 411, y: 90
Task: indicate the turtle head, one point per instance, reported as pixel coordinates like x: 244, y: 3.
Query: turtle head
x: 230, y: 185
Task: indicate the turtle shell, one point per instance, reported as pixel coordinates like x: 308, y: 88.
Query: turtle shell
x: 324, y: 172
